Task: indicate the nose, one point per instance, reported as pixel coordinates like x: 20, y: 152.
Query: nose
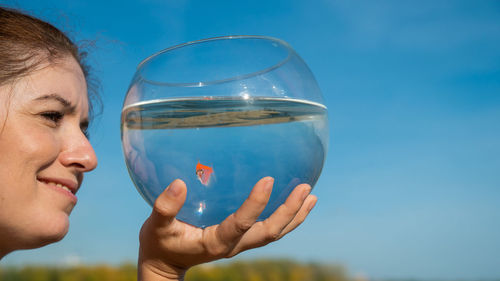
x: 78, y: 153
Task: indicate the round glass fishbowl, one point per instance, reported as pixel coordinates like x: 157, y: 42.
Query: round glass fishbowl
x: 221, y: 114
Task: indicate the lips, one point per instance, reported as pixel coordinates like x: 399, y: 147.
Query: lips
x: 64, y: 184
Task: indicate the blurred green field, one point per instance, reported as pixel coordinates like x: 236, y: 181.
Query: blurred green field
x: 256, y: 270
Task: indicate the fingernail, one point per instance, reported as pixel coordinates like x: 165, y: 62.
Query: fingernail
x: 173, y: 190
x: 306, y: 192
x: 269, y: 184
x: 311, y: 205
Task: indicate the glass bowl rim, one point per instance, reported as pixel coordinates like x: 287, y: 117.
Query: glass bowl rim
x: 287, y: 46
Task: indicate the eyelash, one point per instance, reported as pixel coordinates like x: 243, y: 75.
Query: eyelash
x: 86, y: 133
x: 53, y: 116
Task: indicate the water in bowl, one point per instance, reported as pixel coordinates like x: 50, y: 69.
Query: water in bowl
x: 221, y: 147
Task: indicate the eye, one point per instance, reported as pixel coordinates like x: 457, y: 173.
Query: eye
x: 53, y: 116
x: 86, y: 133
x: 84, y: 126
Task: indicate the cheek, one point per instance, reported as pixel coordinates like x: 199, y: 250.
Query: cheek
x: 23, y: 155
x: 38, y: 149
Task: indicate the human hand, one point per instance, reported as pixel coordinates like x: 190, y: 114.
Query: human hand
x: 169, y: 247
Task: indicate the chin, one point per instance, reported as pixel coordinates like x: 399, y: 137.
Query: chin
x: 56, y: 230
x: 34, y: 227
x: 47, y: 232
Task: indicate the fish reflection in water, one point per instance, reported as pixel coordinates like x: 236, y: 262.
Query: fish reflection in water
x: 201, y: 207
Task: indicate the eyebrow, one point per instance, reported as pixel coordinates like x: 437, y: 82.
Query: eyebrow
x: 56, y: 97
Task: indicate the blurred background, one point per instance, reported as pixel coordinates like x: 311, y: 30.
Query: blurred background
x: 411, y: 185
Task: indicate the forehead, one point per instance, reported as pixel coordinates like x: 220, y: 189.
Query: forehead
x: 63, y: 77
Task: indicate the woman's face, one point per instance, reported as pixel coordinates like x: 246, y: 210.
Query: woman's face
x: 44, y: 153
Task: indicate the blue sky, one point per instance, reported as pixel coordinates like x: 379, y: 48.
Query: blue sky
x: 411, y: 185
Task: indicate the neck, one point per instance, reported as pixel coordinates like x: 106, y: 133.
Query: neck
x: 5, y: 246
x: 3, y: 254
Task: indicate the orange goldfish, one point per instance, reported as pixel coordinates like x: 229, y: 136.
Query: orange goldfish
x: 203, y: 173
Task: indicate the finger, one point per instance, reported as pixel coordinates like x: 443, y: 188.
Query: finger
x: 232, y: 228
x: 170, y: 201
x: 282, y: 217
x: 273, y: 228
x: 304, y: 211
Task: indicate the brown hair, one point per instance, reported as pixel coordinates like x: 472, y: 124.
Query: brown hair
x: 27, y: 42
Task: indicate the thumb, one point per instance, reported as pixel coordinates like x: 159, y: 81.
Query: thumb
x: 170, y: 201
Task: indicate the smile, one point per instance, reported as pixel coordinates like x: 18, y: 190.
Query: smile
x: 58, y: 185
x: 64, y: 184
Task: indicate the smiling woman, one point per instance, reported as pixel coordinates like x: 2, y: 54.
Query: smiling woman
x: 44, y: 115
x: 44, y: 153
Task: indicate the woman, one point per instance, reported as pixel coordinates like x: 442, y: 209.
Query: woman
x: 44, y: 152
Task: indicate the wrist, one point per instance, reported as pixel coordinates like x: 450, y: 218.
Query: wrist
x: 156, y: 270
x: 148, y: 273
